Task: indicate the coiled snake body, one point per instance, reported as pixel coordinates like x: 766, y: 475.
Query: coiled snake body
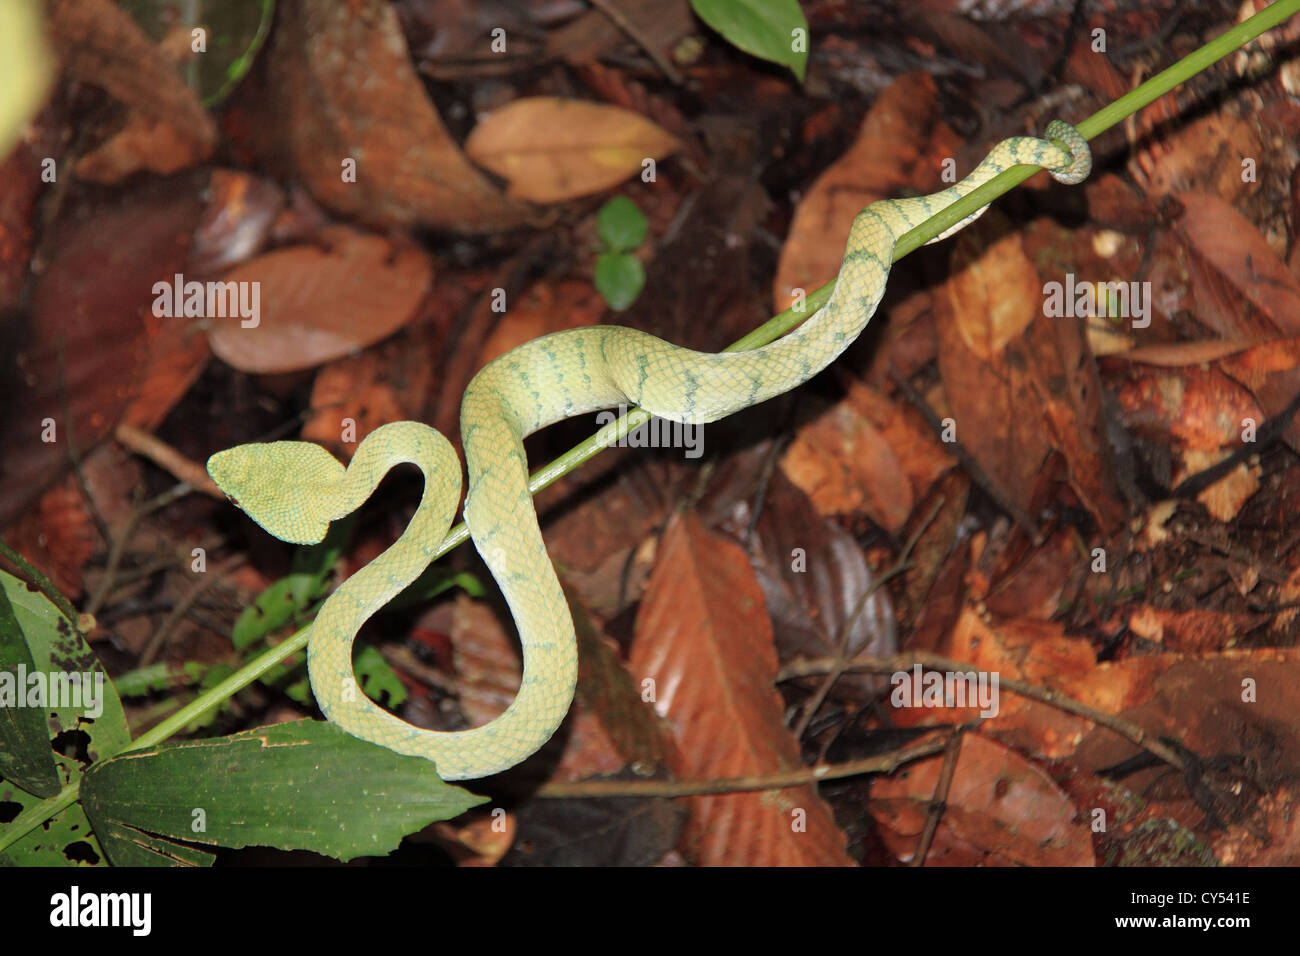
x: 295, y: 489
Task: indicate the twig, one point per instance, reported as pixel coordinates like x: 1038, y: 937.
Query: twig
x: 106, y: 583
x: 624, y: 23
x: 1045, y: 695
x: 186, y: 601
x: 167, y: 458
x: 1267, y: 433
x: 883, y: 763
x: 939, y: 802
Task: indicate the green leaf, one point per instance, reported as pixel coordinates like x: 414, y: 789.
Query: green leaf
x: 619, y: 279
x: 25, y: 755
x: 304, y: 785
x: 377, y: 678
x: 773, y: 30
x: 434, y: 581
x: 213, y: 676
x: 289, y: 598
x: 88, y: 726
x: 235, y: 31
x: 270, y: 610
x: 127, y: 846
x: 621, y: 225
x: 158, y: 677
x: 66, y: 840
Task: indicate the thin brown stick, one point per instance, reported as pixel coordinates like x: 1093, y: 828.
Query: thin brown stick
x: 1045, y: 695
x: 846, y: 628
x: 801, y: 776
x: 939, y: 802
x: 625, y: 24
x: 115, y: 554
x: 204, y: 581
x: 168, y: 459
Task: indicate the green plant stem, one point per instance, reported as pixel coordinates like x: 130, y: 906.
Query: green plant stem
x: 45, y: 585
x: 771, y: 330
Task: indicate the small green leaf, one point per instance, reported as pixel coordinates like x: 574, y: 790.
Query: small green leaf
x: 621, y: 225
x: 158, y: 677
x: 377, y: 678
x: 303, y: 785
x: 289, y: 598
x: 434, y: 581
x: 619, y: 279
x: 773, y: 30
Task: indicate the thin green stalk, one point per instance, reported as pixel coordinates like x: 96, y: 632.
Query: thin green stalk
x: 771, y: 330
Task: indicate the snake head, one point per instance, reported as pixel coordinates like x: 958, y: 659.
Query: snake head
x: 284, y: 486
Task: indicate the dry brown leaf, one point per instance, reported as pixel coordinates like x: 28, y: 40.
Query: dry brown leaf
x: 1224, y: 498
x: 998, y: 802
x: 1034, y: 589
x: 344, y: 73
x: 1200, y: 409
x: 167, y: 127
x: 1237, y: 261
x: 997, y: 405
x: 90, y: 314
x: 550, y: 149
x: 704, y: 639
x: 883, y: 159
x: 1201, y: 153
x: 1036, y: 651
x: 1189, y: 632
x: 544, y: 308
x: 1176, y: 354
x: 487, y: 665
x: 994, y: 293
x: 865, y: 454
x: 321, y: 303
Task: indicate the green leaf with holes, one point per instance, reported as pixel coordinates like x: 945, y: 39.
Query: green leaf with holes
x: 304, y: 785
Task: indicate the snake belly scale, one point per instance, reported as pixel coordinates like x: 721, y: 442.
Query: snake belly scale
x: 295, y: 489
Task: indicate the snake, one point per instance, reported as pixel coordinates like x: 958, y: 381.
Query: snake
x: 294, y: 489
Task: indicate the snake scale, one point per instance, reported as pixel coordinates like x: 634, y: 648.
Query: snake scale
x: 295, y: 489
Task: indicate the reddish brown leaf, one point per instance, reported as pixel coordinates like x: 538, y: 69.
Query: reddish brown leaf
x: 704, y: 640
x: 167, y: 128
x: 91, y: 305
x: 998, y: 802
x: 321, y: 302
x: 988, y: 378
x: 1239, y: 262
x: 885, y: 157
x: 343, y: 72
x: 847, y: 466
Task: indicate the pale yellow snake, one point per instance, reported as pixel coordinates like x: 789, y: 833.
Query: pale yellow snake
x: 295, y: 489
